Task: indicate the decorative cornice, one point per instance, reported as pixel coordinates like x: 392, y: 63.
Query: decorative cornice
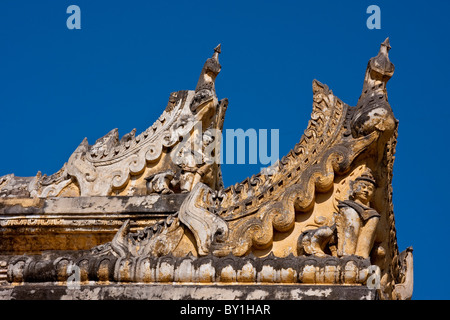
x: 190, y: 269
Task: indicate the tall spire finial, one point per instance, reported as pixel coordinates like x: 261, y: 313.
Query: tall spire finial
x: 205, y: 89
x: 381, y: 62
x: 386, y: 44
x: 216, y: 53
x: 379, y: 70
x: 373, y: 111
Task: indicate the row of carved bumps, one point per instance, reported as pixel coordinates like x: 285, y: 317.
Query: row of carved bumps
x: 190, y: 269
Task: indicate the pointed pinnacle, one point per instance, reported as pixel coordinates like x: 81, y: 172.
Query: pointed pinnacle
x: 217, y: 49
x: 386, y: 43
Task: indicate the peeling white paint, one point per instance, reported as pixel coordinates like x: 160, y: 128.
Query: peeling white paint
x: 257, y: 295
x: 296, y: 294
x: 299, y: 294
x: 318, y: 292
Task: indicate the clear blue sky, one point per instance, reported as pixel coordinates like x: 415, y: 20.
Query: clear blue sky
x: 58, y: 85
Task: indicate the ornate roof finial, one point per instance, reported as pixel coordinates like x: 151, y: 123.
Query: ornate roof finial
x: 217, y: 49
x: 381, y: 63
x: 386, y: 44
x: 205, y: 89
x: 379, y: 70
x: 210, y: 70
x: 373, y: 111
x: 215, y: 57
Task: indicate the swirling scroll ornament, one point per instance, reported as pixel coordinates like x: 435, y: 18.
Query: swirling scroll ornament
x: 207, y: 227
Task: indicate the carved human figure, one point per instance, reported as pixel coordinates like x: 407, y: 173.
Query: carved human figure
x: 188, y: 169
x: 207, y: 160
x: 356, y: 221
x: 195, y: 165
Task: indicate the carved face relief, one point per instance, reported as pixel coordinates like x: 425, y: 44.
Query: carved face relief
x: 207, y: 139
x: 363, y: 191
